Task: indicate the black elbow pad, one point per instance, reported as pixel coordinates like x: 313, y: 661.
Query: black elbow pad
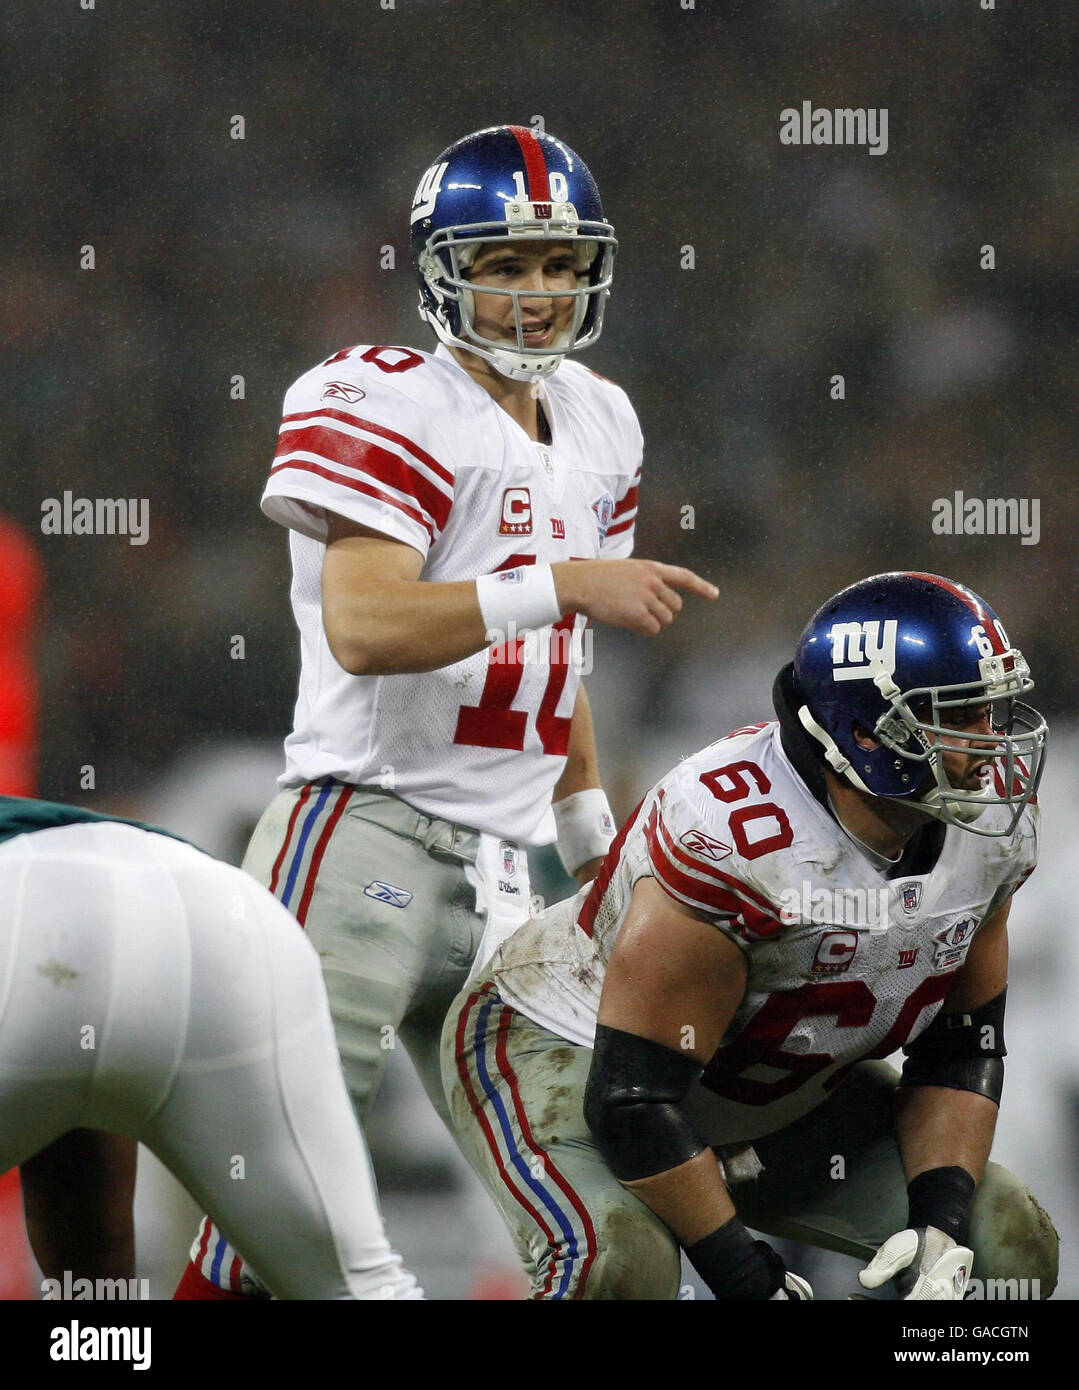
x: 633, y: 1104
x: 964, y: 1052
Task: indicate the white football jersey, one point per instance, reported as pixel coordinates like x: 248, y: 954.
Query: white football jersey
x: 844, y: 962
x: 408, y: 444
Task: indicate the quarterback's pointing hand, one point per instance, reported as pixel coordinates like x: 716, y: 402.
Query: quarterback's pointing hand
x: 637, y: 594
x: 925, y: 1264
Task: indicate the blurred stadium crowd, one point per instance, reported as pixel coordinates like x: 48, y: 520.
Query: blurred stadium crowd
x: 218, y: 258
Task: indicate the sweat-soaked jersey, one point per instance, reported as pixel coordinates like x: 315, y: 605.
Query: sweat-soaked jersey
x: 407, y: 444
x: 843, y: 961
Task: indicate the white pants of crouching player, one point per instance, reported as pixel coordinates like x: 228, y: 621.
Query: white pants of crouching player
x: 516, y: 1093
x: 149, y: 990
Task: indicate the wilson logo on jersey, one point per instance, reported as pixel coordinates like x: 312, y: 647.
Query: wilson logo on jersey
x: 861, y: 650
x: 387, y: 893
x: 835, y: 952
x: 697, y: 842
x: 516, y: 512
x: 342, y: 391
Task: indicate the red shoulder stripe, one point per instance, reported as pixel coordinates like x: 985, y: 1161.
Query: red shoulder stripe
x: 735, y: 884
x: 381, y: 465
x: 586, y: 918
x: 343, y: 415
x: 302, y: 466
x: 627, y: 503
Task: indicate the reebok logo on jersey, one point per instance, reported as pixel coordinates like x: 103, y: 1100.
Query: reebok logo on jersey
x: 861, y: 650
x: 516, y: 512
x: 697, y: 842
x: 342, y: 391
x: 387, y: 893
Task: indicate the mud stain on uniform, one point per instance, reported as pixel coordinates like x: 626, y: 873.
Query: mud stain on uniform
x: 585, y: 975
x: 1026, y: 1240
x: 556, y: 1105
x: 57, y: 972
x: 637, y: 1257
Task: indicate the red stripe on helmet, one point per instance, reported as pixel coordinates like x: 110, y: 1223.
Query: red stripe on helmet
x: 539, y: 188
x: 965, y: 596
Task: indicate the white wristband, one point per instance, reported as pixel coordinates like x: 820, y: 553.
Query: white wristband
x: 517, y: 600
x: 585, y: 827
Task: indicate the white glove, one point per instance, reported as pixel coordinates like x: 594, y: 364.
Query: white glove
x: 925, y: 1264
x: 797, y: 1290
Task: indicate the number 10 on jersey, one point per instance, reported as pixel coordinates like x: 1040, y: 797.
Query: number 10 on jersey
x: 494, y: 723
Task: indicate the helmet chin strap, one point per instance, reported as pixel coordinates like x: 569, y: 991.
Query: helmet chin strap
x: 833, y: 754
x: 507, y: 360
x: 934, y: 802
x: 504, y: 360
x: 941, y: 807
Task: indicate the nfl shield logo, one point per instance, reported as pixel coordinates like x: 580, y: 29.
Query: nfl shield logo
x: 603, y: 508
x: 509, y: 858
x: 912, y: 896
x: 960, y: 931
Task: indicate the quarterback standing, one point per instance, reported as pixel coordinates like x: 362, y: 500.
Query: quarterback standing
x: 455, y: 519
x: 682, y: 1051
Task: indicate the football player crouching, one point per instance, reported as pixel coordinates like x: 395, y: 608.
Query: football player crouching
x: 687, y: 1047
x: 149, y: 992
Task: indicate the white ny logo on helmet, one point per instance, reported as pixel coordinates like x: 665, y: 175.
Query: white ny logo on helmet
x: 861, y: 651
x: 423, y: 204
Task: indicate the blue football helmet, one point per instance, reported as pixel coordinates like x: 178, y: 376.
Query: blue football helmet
x: 897, y: 655
x: 509, y: 181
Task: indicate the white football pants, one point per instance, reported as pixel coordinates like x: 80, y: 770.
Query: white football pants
x: 149, y: 990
